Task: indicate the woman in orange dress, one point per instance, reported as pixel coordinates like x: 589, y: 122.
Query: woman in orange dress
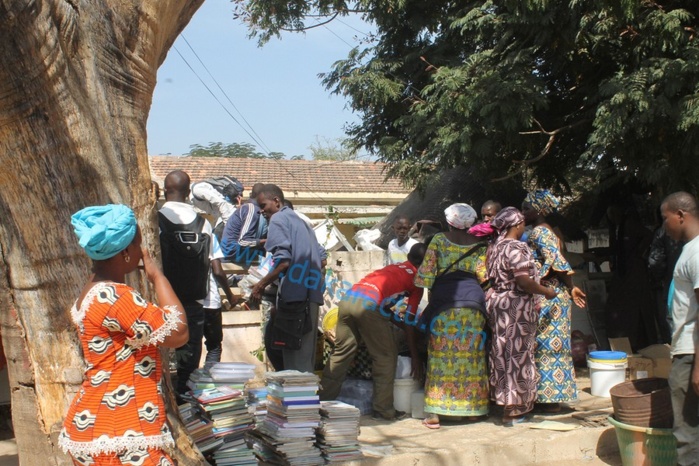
x: 118, y: 415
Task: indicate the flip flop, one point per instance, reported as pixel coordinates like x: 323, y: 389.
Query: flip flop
x: 430, y: 425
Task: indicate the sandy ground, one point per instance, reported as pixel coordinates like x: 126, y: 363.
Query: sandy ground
x: 409, y: 443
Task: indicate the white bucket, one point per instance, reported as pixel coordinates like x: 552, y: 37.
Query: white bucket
x: 417, y: 402
x: 605, y: 374
x: 402, y: 391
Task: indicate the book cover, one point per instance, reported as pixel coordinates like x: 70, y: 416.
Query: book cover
x: 212, y: 395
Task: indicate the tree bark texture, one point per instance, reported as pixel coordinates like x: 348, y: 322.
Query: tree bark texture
x: 76, y: 84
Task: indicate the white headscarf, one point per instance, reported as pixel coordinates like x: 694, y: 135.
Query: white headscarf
x: 460, y: 216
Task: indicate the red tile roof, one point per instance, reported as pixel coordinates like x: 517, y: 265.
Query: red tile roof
x: 290, y: 175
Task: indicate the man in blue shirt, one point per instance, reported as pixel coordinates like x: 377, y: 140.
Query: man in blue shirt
x: 298, y: 264
x: 244, y: 235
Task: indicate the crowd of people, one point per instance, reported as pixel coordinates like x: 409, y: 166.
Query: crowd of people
x: 496, y: 329
x: 497, y: 324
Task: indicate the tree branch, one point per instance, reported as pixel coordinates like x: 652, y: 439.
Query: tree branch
x: 306, y: 28
x: 552, y: 138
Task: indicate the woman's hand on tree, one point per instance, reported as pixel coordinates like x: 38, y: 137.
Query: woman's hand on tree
x: 150, y: 267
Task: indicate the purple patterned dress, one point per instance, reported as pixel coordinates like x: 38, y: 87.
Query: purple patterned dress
x: 512, y: 319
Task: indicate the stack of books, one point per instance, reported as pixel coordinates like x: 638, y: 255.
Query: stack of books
x: 338, y: 432
x: 233, y: 374
x: 257, y: 400
x: 199, y: 428
x: 225, y: 409
x: 200, y: 379
x: 287, y: 433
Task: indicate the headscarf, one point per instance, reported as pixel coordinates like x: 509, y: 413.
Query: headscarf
x: 481, y: 230
x: 542, y: 201
x: 460, y: 215
x: 506, y: 218
x: 104, y: 231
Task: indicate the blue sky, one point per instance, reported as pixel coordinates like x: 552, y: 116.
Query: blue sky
x: 275, y: 87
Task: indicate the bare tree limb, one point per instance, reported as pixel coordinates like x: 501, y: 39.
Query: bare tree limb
x: 547, y: 148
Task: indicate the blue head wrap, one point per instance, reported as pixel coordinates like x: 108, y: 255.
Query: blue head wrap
x: 542, y: 201
x: 104, y: 231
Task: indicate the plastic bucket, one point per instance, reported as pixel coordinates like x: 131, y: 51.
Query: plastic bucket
x: 607, y: 368
x: 644, y: 446
x: 402, y: 392
x: 417, y: 403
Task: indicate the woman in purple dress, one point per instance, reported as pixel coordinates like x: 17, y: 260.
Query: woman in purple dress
x: 512, y: 317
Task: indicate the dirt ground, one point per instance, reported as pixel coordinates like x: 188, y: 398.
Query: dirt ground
x: 409, y: 443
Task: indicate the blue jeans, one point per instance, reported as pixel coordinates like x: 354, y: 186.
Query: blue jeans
x: 685, y: 407
x: 189, y: 354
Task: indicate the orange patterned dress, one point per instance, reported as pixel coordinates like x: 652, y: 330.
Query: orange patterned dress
x: 118, y: 415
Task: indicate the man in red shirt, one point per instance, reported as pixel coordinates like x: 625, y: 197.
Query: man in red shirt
x: 365, y: 312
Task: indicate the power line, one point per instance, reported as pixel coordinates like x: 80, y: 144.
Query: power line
x: 310, y: 190
x: 334, y: 34
x: 351, y: 27
x: 226, y: 95
x: 216, y: 98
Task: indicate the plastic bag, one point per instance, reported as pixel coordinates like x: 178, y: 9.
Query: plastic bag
x: 365, y: 240
x: 403, y: 367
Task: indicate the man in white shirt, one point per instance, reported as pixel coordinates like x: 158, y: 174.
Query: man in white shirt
x: 205, y: 197
x: 181, y: 213
x: 213, y: 319
x: 399, y: 247
x: 681, y: 221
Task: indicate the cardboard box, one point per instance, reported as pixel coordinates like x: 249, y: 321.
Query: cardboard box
x: 662, y: 360
x: 652, y: 361
x: 639, y: 367
x: 621, y: 344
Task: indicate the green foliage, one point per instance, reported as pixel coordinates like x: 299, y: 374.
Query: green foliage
x: 523, y: 90
x: 232, y: 150
x: 332, y: 149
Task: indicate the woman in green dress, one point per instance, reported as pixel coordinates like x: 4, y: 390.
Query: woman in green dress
x: 453, y: 269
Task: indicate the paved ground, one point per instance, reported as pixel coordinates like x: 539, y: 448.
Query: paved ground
x: 409, y: 443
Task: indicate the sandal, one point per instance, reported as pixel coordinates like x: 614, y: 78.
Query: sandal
x: 431, y: 425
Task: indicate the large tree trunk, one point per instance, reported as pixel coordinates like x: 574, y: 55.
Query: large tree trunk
x: 76, y: 84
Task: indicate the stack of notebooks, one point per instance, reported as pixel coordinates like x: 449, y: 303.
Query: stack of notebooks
x: 339, y: 431
x: 287, y: 433
x: 233, y: 374
x: 257, y: 400
x: 225, y: 410
x: 199, y: 428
